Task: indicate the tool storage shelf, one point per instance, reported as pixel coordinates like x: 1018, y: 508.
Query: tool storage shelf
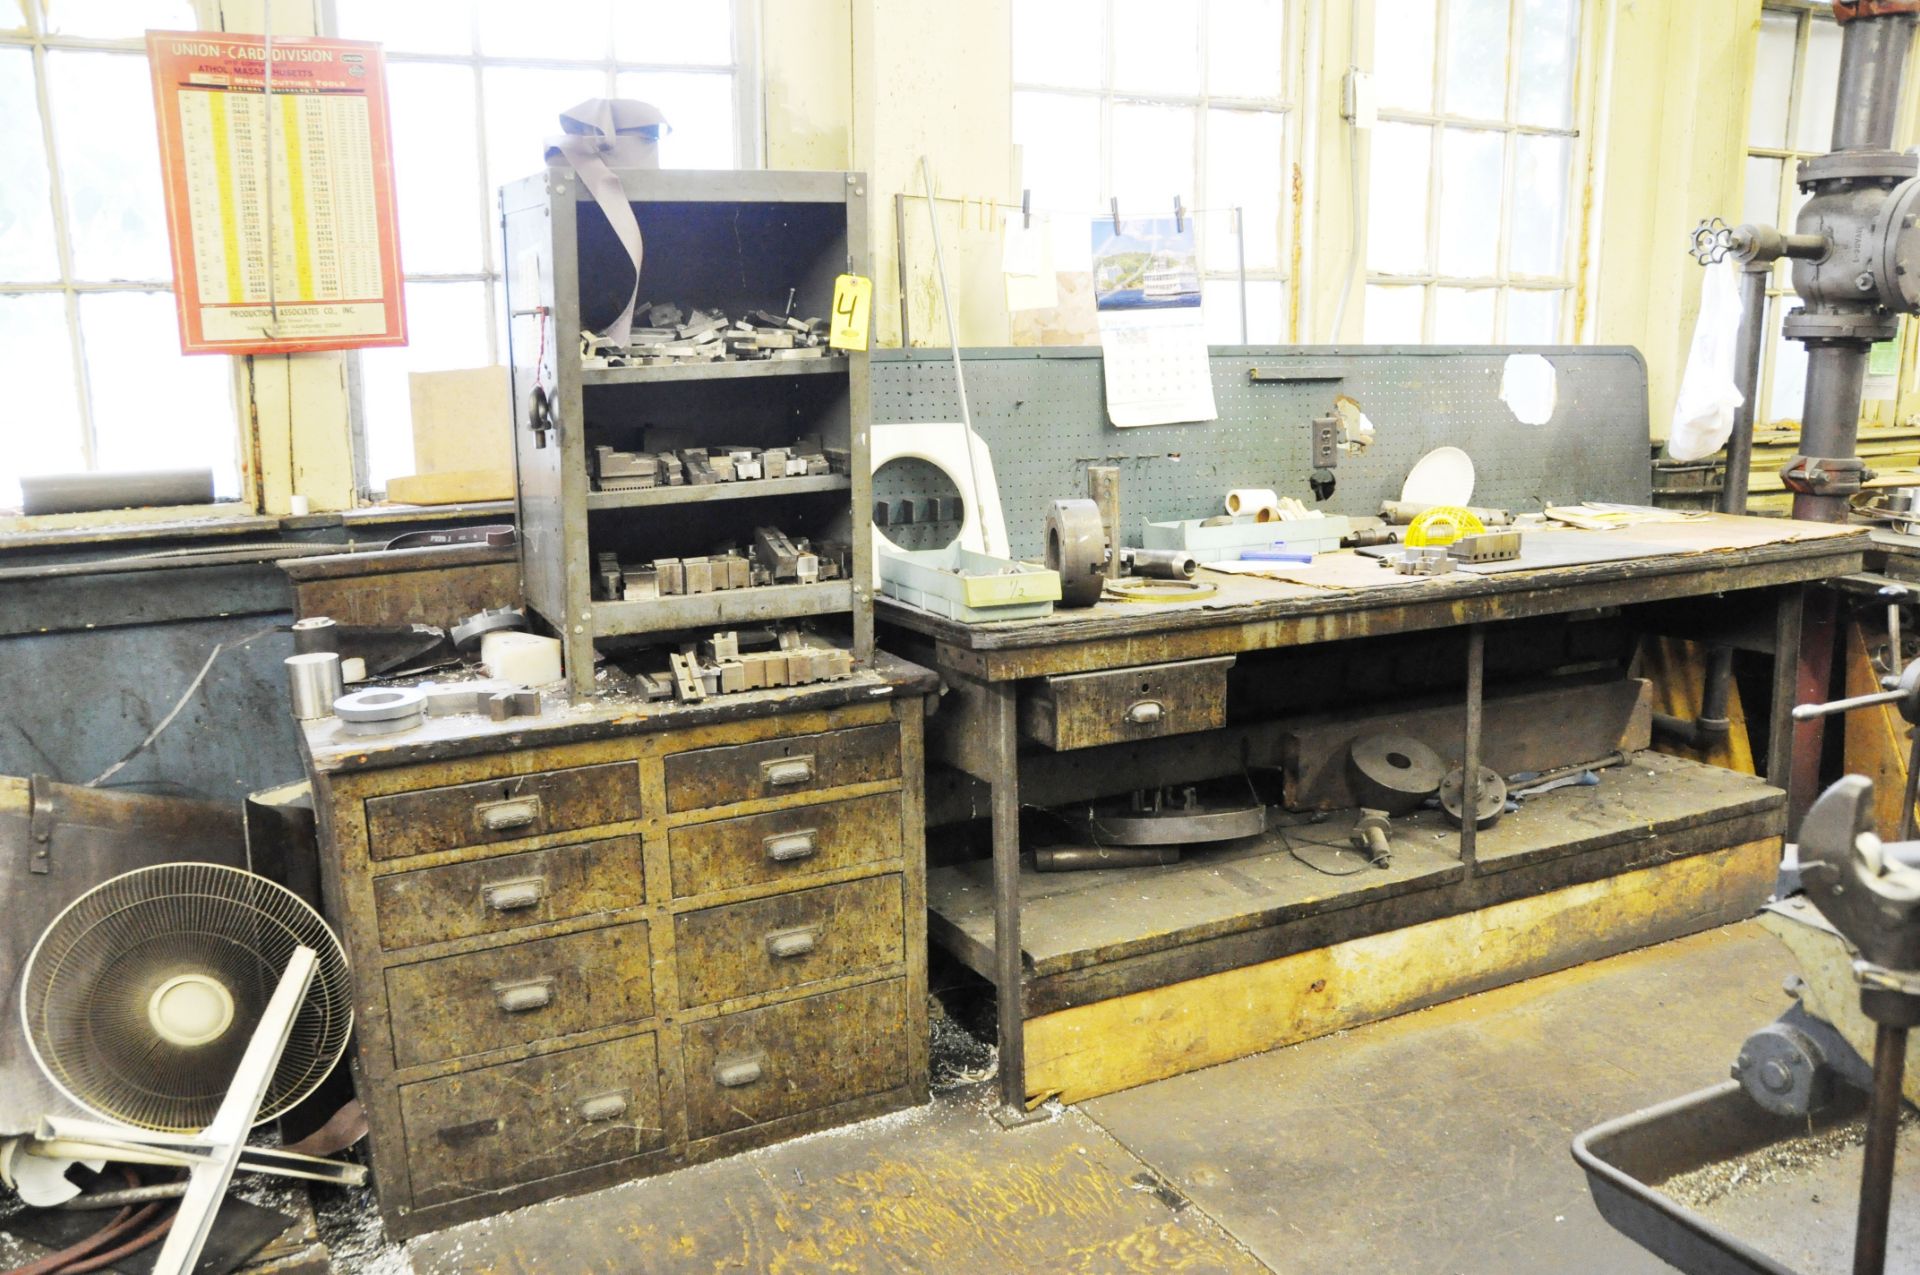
x: 725, y: 242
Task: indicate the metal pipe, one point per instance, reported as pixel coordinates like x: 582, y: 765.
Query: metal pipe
x: 1830, y: 423
x: 1470, y: 776
x: 1873, y: 51
x: 1883, y: 1131
x: 1746, y: 379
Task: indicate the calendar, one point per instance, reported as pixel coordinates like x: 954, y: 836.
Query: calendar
x: 1146, y: 287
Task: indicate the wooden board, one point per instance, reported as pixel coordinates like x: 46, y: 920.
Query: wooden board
x: 1116, y: 1044
x: 451, y: 487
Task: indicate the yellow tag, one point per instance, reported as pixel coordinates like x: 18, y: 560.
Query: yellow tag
x: 852, y: 307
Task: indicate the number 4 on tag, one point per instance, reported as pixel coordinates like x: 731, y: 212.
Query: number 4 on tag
x: 852, y: 308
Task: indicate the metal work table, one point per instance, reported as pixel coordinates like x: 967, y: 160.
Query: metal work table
x: 988, y: 668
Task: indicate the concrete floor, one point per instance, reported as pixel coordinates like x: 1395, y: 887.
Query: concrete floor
x: 1432, y: 1143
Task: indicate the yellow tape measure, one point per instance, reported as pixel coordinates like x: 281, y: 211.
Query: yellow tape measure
x: 1442, y: 525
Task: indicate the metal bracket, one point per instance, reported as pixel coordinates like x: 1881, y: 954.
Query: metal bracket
x: 40, y: 823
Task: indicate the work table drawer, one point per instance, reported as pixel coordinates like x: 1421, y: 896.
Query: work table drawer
x: 788, y: 940
x: 757, y: 849
x: 508, y: 891
x: 505, y: 809
x: 1119, y: 706
x: 709, y: 777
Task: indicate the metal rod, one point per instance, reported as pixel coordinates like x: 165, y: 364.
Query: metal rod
x: 1832, y: 708
x: 1883, y: 1130
x: 900, y: 262
x: 953, y: 331
x: 1240, y: 253
x: 126, y: 1195
x: 1752, y: 339
x: 1912, y: 787
x: 1470, y: 772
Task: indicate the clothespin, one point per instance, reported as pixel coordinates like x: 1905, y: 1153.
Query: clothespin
x: 1114, y: 203
x: 1179, y: 217
x: 1026, y: 210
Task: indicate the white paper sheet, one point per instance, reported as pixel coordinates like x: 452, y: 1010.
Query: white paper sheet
x: 1026, y: 256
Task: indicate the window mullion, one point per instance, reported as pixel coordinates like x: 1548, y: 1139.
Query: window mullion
x: 63, y: 250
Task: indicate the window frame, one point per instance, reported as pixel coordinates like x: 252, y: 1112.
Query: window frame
x: 1289, y: 251
x: 1577, y: 230
x: 749, y: 152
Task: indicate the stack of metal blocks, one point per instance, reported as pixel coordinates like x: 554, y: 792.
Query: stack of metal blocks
x: 673, y: 335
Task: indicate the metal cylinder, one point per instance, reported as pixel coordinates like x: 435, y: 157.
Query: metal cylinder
x: 1163, y: 564
x: 81, y: 493
x: 1084, y: 858
x: 1752, y: 338
x: 316, y: 633
x: 1873, y: 52
x: 314, y: 682
x: 1830, y: 423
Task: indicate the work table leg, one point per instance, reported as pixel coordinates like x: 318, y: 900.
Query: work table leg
x: 1009, y: 976
x: 1470, y: 747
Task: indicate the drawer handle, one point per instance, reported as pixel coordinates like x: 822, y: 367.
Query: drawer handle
x: 787, y: 944
x: 605, y: 1106
x: 788, y: 846
x: 505, y: 816
x: 731, y: 1073
x: 518, y: 998
x: 1145, y: 712
x: 514, y: 895
x: 460, y: 1135
x: 788, y: 771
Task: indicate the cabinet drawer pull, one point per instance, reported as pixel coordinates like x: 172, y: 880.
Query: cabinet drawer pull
x: 788, y: 771
x: 514, y: 895
x: 605, y: 1106
x: 460, y: 1135
x: 518, y: 998
x: 504, y: 816
x: 785, y: 847
x: 1145, y: 712
x: 731, y: 1073
x: 786, y: 944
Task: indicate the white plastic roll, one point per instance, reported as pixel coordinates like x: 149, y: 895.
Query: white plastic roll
x: 1246, y: 500
x: 524, y: 658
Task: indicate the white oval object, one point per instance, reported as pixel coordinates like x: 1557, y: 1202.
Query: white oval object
x: 1444, y: 476
x: 1247, y: 500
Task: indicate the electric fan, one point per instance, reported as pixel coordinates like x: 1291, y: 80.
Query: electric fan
x: 140, y: 998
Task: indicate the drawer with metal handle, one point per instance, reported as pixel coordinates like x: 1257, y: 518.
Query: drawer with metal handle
x: 519, y: 1122
x: 754, y: 849
x: 458, y: 1006
x: 745, y: 1069
x: 1118, y: 706
x: 789, y: 940
x: 430, y: 819
x: 486, y: 896
x: 709, y: 777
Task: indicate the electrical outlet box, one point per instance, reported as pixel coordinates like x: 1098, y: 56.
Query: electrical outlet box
x: 1359, y: 103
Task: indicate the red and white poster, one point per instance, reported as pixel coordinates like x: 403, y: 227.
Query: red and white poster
x: 280, y: 197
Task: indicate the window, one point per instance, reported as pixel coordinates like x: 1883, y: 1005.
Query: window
x: 1143, y: 100
x: 476, y: 87
x: 89, y: 341
x: 1796, y: 75
x: 1470, y: 209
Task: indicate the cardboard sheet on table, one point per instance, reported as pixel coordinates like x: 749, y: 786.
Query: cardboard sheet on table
x: 1560, y: 549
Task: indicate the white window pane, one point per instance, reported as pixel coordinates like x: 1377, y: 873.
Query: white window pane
x: 1059, y: 141
x: 1539, y: 229
x: 436, y: 167
x: 1393, y: 315
x: 1152, y: 158
x: 1533, y: 318
x: 1266, y: 311
x: 1403, y: 52
x: 103, y: 129
x: 691, y: 34
x: 1761, y: 203
x: 1819, y: 81
x: 1472, y: 168
x: 13, y: 16
x: 1773, y: 79
x: 1789, y: 395
x: 700, y: 109
x: 1059, y: 42
x: 447, y: 330
x: 1545, y: 91
x: 1397, y: 198
x: 1246, y: 48
x: 1244, y: 167
x: 1477, y: 58
x: 1463, y: 316
x: 1156, y: 46
x: 27, y: 251
x: 579, y: 30
x: 36, y: 360
x: 154, y: 407
x: 407, y: 28
x: 118, y: 19
x: 523, y: 110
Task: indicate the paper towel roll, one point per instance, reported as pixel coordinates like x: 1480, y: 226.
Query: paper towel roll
x: 1246, y: 500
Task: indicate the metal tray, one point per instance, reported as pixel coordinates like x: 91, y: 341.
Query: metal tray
x: 1795, y: 1219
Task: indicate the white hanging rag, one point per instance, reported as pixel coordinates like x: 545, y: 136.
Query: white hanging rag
x: 1703, y: 410
x: 598, y: 136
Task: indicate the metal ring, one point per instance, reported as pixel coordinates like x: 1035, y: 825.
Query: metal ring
x: 467, y: 633
x: 380, y: 704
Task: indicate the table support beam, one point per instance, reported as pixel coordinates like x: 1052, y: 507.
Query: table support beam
x: 1788, y: 612
x: 1470, y: 748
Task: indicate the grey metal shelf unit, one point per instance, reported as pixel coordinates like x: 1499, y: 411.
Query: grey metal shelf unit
x: 726, y: 241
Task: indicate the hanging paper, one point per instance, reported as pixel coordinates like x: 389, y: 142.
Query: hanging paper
x: 1026, y: 258
x: 1146, y: 281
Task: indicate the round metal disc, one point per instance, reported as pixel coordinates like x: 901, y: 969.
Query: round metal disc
x: 1393, y: 772
x: 1134, y: 589
x: 1179, y: 827
x: 380, y: 704
x: 1492, y: 797
x: 467, y: 633
x: 1077, y: 549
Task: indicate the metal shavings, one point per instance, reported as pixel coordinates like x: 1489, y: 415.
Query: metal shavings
x: 1781, y: 1161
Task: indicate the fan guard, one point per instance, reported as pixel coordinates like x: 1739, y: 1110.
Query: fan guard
x: 140, y: 997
